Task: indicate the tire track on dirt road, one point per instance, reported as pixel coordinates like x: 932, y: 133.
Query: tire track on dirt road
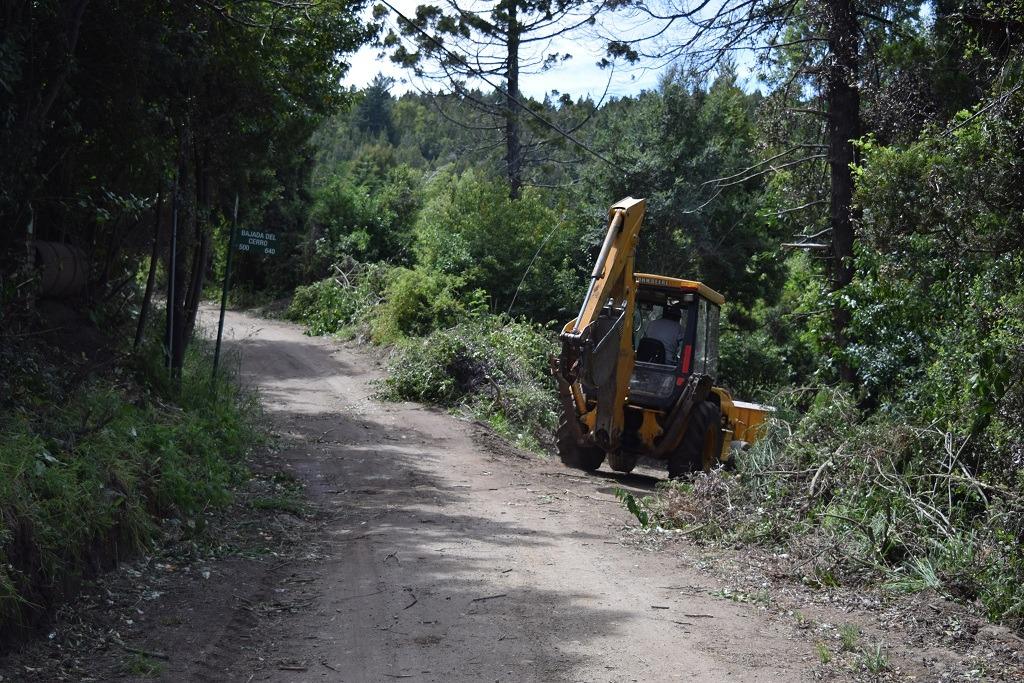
x: 436, y: 559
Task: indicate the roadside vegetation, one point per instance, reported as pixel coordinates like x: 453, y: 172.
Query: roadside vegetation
x: 445, y: 346
x: 95, y: 463
x: 895, y: 455
x: 120, y: 123
x: 859, y: 500
x: 856, y: 200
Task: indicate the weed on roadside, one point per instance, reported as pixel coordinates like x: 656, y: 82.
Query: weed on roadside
x: 635, y: 507
x: 863, y: 501
x: 144, y: 666
x: 280, y: 492
x: 293, y: 505
x: 874, y: 659
x: 492, y: 368
x: 333, y: 306
x: 697, y: 507
x: 760, y: 598
x: 849, y: 634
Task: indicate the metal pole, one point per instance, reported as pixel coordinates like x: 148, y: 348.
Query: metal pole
x: 599, y: 271
x: 224, y: 294
x: 172, y: 294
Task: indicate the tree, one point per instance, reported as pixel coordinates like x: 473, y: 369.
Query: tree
x: 107, y: 105
x: 497, y: 39
x: 670, y: 141
x: 373, y: 113
x: 811, y: 46
x: 518, y: 251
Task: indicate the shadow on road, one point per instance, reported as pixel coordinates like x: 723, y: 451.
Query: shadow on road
x: 634, y: 481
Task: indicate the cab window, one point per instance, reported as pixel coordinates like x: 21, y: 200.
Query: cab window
x: 705, y: 346
x: 659, y: 329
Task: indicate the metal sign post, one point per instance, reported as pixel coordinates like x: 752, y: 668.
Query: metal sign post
x: 224, y: 294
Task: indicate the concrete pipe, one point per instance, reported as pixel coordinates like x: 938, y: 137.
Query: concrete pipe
x: 63, y: 269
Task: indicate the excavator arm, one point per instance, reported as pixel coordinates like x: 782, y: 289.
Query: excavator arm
x: 597, y: 346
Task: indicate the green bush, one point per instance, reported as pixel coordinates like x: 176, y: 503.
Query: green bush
x: 419, y: 301
x: 367, y: 214
x: 334, y: 304
x: 532, y: 249
x: 495, y: 368
x: 750, y: 365
x: 390, y: 303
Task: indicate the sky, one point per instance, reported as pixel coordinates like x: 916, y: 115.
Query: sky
x: 578, y: 77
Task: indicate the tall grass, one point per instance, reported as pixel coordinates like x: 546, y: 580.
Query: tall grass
x: 866, y: 500
x: 88, y: 470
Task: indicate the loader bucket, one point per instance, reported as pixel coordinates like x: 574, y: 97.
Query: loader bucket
x: 748, y: 420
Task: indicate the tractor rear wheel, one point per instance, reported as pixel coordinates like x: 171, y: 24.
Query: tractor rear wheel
x: 704, y: 429
x: 586, y: 458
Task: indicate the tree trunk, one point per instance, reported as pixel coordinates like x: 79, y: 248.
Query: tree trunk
x: 147, y: 296
x: 176, y: 299
x: 513, y: 144
x: 177, y: 269
x: 178, y: 329
x: 200, y: 262
x: 201, y: 258
x: 843, y: 127
x: 193, y: 223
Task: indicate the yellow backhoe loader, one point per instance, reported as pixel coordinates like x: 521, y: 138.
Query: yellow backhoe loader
x: 636, y: 375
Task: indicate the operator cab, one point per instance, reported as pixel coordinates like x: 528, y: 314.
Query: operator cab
x: 675, y: 335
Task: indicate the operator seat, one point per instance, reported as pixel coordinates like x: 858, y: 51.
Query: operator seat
x: 650, y: 350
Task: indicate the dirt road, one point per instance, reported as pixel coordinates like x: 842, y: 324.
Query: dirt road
x: 380, y: 541
x: 439, y: 560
